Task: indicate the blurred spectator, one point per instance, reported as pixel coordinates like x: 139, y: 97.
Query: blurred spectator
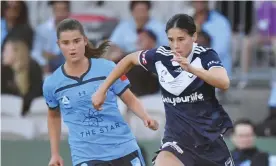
x: 21, y: 75
x: 218, y: 27
x: 268, y: 126
x: 46, y: 51
x: 146, y: 39
x: 203, y: 39
x: 125, y: 37
x: 246, y: 153
x: 13, y: 13
x: 240, y: 13
x: 265, y: 38
x: 142, y: 81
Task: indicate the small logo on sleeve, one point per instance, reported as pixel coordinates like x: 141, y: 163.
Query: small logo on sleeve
x: 123, y: 78
x: 144, y: 61
x: 213, y: 63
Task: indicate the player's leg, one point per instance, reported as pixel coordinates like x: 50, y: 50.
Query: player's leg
x: 165, y: 158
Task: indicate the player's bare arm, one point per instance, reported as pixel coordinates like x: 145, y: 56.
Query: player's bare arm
x: 54, y: 130
x: 136, y: 107
x: 216, y: 76
x: 122, y: 67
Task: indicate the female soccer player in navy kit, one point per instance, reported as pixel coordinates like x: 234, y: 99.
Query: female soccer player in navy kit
x: 188, y: 74
x: 95, y: 138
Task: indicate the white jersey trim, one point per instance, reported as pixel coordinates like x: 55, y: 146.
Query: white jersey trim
x: 216, y: 67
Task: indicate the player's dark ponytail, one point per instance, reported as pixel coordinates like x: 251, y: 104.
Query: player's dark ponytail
x: 182, y: 21
x: 90, y: 50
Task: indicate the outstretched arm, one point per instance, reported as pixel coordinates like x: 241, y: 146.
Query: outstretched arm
x: 137, y: 108
x: 122, y: 67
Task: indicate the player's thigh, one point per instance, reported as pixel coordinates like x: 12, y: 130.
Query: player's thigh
x: 165, y: 158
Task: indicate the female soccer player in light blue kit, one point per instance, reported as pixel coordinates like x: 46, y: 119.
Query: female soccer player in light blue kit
x: 95, y: 137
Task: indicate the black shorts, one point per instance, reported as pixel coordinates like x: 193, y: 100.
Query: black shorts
x: 133, y: 159
x: 214, y: 154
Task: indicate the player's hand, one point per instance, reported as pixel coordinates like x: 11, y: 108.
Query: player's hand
x: 98, y: 99
x: 183, y: 62
x: 56, y: 160
x: 151, y: 123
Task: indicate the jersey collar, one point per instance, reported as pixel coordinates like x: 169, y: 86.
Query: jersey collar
x: 190, y: 56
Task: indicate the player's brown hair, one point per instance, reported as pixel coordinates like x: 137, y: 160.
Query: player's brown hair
x: 90, y: 50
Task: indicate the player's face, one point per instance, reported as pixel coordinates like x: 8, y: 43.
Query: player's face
x: 243, y: 137
x: 180, y: 41
x: 72, y: 44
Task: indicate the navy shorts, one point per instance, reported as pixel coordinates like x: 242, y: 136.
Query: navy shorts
x: 215, y: 153
x: 133, y: 159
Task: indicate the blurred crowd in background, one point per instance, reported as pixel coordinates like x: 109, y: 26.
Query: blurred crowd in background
x: 243, y: 33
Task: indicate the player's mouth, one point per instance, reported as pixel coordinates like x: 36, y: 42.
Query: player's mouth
x: 73, y: 54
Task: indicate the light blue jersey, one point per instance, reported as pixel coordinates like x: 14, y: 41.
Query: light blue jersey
x: 93, y: 135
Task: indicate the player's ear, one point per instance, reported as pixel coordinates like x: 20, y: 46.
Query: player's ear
x: 85, y: 40
x: 194, y: 37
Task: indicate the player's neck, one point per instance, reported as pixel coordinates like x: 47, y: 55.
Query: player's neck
x: 76, y: 69
x: 187, y: 55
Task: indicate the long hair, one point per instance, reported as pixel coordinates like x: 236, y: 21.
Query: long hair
x: 90, y: 50
x: 20, y: 66
x: 23, y: 15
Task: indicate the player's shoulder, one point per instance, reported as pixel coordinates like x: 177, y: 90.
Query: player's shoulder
x: 103, y: 65
x: 102, y: 62
x: 202, y: 51
x: 53, y: 79
x: 164, y: 51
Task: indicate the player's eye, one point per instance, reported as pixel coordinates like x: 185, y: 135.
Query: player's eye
x: 65, y: 42
x: 77, y: 41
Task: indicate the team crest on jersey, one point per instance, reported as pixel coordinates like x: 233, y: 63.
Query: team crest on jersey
x: 93, y: 118
x: 66, y: 102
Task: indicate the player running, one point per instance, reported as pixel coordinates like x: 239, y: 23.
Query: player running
x: 188, y: 74
x: 95, y: 138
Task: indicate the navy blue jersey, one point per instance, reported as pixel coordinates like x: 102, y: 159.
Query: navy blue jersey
x: 192, y: 110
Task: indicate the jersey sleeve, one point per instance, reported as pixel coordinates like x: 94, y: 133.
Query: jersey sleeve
x: 211, y: 59
x: 120, y: 85
x: 147, y: 59
x: 48, y: 93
